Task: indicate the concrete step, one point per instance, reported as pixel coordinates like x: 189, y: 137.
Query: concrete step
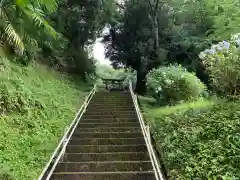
x: 108, y: 116
x: 102, y: 125
x: 106, y: 106
x: 112, y: 93
x: 107, y: 135
x: 106, y: 141
x: 111, y: 103
x: 108, y: 166
x: 109, y: 156
x: 110, y: 108
x: 112, y: 98
x: 105, y: 148
x: 108, y: 120
x: 144, y: 175
x: 114, y: 109
x: 107, y: 112
x: 117, y: 96
x: 109, y: 129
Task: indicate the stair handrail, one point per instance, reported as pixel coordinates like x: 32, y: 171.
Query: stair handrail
x: 59, y: 151
x: 147, y: 136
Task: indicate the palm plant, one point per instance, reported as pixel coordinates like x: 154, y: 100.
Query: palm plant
x: 19, y: 18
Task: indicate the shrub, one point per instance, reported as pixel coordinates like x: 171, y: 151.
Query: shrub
x: 200, y: 143
x: 146, y: 102
x: 223, y: 66
x: 173, y: 84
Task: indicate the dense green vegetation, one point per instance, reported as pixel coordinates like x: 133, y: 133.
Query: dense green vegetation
x: 36, y: 105
x: 198, y: 140
x: 153, y: 33
x: 175, y: 51
x: 56, y: 32
x: 173, y: 84
x: 195, y: 125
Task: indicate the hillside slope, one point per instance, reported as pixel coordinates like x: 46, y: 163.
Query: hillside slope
x: 36, y: 105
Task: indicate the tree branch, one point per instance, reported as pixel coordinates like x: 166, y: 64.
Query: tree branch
x: 120, y: 5
x: 151, y: 6
x: 156, y: 7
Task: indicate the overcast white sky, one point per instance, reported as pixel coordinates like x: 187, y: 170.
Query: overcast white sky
x: 98, y: 52
x: 98, y: 49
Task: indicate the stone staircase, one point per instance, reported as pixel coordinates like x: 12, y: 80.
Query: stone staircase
x: 108, y: 143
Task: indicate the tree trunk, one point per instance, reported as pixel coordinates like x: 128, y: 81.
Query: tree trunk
x: 141, y: 82
x: 156, y: 31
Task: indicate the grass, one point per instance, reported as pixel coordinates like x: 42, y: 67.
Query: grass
x: 198, y: 104
x: 149, y: 104
x: 36, y: 106
x: 197, y: 140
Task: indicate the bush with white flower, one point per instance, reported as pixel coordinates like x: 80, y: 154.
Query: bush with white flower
x: 222, y: 62
x: 173, y: 84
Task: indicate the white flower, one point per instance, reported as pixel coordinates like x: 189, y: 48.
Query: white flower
x: 168, y: 81
x: 219, y: 48
x: 235, y: 37
x: 238, y: 42
x: 215, y: 46
x: 210, y: 51
x: 159, y: 89
x: 202, y: 55
x: 226, y: 44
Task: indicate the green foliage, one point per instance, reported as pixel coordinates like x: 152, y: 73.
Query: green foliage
x: 79, y: 22
x: 57, y: 31
x: 108, y: 72
x: 80, y: 63
x: 225, y: 16
x: 222, y: 64
x: 185, y: 27
x: 18, y: 18
x: 200, y: 142
x: 170, y: 85
x: 36, y: 105
x: 185, y: 106
x: 147, y: 102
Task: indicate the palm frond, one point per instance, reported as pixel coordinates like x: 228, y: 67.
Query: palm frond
x: 22, y: 3
x: 12, y: 37
x: 30, y: 41
x: 38, y: 20
x: 51, y: 5
x: 9, y: 34
x: 2, y: 14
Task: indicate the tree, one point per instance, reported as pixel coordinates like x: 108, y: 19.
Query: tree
x: 226, y: 18
x: 155, y: 33
x: 80, y: 22
x: 153, y: 16
x: 132, y: 42
x: 17, y: 19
